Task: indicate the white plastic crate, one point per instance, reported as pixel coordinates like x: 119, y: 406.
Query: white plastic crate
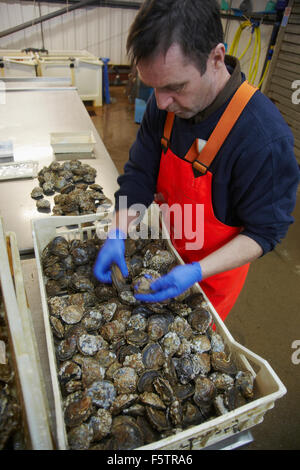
x: 19, y: 67
x: 268, y: 387
x: 31, y: 389
x: 85, y: 73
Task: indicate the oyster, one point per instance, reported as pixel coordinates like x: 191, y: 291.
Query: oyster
x: 80, y: 437
x: 153, y: 400
x: 200, y: 343
x: 122, y: 402
x: 72, y: 314
x: 126, y: 433
x: 158, y: 326
x: 221, y: 363
x: 145, y: 382
x: 89, y: 344
x: 69, y: 370
x: 125, y: 380
x: 100, y: 424
x: 126, y: 350
x: 78, y: 411
x: 245, y: 383
x: 102, y: 393
x: 205, y: 391
x: 59, y: 247
x: 153, y: 356
x: 92, y: 320
x: 66, y: 348
x: 112, y: 330
x: 233, y: 398
x: 135, y: 361
x: 10, y: 415
x: 160, y: 261
x: 191, y: 414
x: 136, y: 337
x: 158, y: 419
x: 37, y: 193
x: 185, y: 369
x: 170, y: 343
x: 57, y: 327
x: 43, y: 205
x: 164, y: 390
x: 105, y: 358
x: 91, y: 371
x: 184, y: 391
x: 176, y: 413
x: 105, y: 292
x: 181, y: 327
x: 143, y: 282
x: 217, y: 343
x: 200, y: 319
x: 221, y: 381
x: 137, y: 321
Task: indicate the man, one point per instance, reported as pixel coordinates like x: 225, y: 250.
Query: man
x: 207, y: 139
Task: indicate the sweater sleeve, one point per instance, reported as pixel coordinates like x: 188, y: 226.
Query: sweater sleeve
x: 138, y: 182
x: 267, y: 199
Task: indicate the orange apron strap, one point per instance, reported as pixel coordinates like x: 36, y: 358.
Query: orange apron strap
x: 165, y: 140
x: 227, y: 121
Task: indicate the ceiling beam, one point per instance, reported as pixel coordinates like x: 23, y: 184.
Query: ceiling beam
x: 70, y: 7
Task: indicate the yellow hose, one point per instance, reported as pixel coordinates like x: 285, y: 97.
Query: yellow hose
x: 258, y: 54
x: 246, y: 50
x: 251, y: 70
x: 255, y: 58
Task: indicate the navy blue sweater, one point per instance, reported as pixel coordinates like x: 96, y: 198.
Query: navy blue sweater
x: 255, y: 173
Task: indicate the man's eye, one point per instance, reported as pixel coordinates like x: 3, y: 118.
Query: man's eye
x: 177, y: 89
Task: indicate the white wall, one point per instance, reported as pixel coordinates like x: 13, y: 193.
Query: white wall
x: 100, y: 30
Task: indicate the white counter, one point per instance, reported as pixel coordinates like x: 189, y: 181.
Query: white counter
x: 27, y: 118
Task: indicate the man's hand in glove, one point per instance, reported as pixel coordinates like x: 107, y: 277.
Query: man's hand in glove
x: 113, y: 251
x: 174, y: 283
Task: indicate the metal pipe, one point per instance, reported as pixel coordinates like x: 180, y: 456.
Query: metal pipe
x: 42, y: 31
x: 62, y: 11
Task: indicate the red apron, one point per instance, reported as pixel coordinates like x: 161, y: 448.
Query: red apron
x: 177, y: 185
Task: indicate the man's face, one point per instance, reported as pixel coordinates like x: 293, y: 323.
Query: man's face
x: 178, y: 84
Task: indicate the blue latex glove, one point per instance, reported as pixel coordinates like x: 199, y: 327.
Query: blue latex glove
x: 113, y: 251
x: 174, y: 283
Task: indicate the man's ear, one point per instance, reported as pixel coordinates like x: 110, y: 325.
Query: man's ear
x: 217, y: 56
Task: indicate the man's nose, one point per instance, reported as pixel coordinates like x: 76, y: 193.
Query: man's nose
x: 163, y: 99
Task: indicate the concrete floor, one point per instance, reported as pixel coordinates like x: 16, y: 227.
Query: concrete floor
x: 266, y: 317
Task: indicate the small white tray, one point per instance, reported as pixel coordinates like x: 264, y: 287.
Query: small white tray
x: 72, y: 142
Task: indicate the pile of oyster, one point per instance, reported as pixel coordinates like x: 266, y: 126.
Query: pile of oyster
x: 75, y: 182
x: 132, y: 373
x: 11, y: 427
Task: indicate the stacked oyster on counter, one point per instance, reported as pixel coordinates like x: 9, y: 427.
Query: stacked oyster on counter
x: 12, y: 435
x: 75, y: 183
x: 133, y: 373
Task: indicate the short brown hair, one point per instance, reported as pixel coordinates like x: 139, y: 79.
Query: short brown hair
x: 193, y: 24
